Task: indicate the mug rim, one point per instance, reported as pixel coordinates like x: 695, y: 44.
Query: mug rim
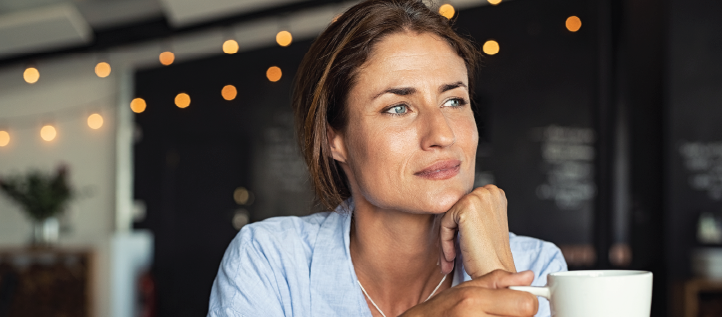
x: 601, y: 274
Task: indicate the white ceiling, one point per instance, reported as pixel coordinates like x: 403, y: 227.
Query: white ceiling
x: 186, y: 12
x: 41, y: 28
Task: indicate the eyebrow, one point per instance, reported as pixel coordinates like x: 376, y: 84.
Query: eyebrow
x: 405, y: 91
x: 448, y: 87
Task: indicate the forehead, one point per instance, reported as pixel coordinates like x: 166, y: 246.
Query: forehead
x: 403, y: 57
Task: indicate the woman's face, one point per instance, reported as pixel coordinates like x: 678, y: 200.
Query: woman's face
x: 410, y: 143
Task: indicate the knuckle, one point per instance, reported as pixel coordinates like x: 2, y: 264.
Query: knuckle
x: 481, y: 193
x: 528, y: 305
x: 467, y: 297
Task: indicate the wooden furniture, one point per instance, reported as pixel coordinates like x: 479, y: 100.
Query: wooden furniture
x: 702, y: 297
x: 45, y: 282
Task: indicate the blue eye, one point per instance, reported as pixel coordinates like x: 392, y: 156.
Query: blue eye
x: 400, y: 109
x: 456, y: 102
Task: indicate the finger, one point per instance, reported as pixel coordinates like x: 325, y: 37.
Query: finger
x: 506, y: 302
x: 447, y: 238
x: 502, y: 279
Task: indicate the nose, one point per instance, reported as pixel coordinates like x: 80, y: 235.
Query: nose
x: 437, y: 132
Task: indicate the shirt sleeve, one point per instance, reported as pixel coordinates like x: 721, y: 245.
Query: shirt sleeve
x: 245, y: 285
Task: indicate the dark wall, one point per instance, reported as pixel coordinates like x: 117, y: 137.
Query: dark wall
x: 694, y: 124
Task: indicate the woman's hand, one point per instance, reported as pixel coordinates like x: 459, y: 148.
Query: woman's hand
x: 480, y: 219
x: 487, y: 295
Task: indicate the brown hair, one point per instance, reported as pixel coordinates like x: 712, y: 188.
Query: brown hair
x: 327, y: 72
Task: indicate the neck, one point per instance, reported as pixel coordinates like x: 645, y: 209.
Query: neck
x: 395, y: 255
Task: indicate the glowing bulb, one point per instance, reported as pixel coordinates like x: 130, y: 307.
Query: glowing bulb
x: 494, y: 2
x: 95, y: 121
x: 447, y: 11
x: 4, y: 138
x: 241, y: 195
x: 573, y: 23
x: 166, y: 58
x: 273, y: 73
x: 102, y: 69
x: 284, y: 38
x: 229, y: 92
x: 48, y: 133
x: 137, y: 105
x: 182, y: 100
x: 230, y: 47
x: 31, y: 75
x: 491, y: 47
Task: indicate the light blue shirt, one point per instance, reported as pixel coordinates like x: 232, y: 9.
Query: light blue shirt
x: 301, y: 266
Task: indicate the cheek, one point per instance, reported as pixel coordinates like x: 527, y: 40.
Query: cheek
x: 380, y: 154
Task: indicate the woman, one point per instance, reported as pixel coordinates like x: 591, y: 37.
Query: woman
x: 386, y: 127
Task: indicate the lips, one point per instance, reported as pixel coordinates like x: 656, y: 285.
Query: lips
x: 440, y: 170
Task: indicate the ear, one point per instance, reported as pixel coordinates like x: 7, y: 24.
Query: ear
x: 336, y: 143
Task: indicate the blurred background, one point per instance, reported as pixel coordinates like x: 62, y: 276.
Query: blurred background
x: 138, y: 136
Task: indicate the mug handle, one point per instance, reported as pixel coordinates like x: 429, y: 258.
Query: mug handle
x: 542, y: 291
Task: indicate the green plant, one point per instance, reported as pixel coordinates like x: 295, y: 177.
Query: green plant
x: 40, y: 194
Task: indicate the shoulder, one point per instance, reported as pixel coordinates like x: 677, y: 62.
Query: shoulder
x: 284, y: 227
x: 540, y: 256
x: 267, y: 264
x: 283, y: 236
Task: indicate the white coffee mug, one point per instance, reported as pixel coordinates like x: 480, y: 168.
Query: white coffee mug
x: 601, y: 293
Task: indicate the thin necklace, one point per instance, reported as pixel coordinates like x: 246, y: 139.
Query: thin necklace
x: 379, y: 309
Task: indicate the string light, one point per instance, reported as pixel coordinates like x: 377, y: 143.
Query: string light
x: 491, y: 47
x: 4, y: 138
x: 166, y: 58
x: 182, y: 100
x: 230, y: 47
x: 95, y: 121
x: 284, y: 38
x: 241, y: 195
x: 274, y: 73
x: 447, y: 11
x: 31, y: 75
x: 573, y: 23
x: 229, y: 92
x: 494, y: 2
x: 48, y: 133
x: 137, y: 105
x: 102, y: 69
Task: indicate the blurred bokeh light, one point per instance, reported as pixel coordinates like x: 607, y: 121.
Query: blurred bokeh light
x: 573, y: 23
x: 182, y: 100
x: 284, y: 38
x: 102, y: 69
x: 31, y: 75
x: 95, y: 121
x: 48, y: 133
x: 491, y: 47
x: 138, y: 105
x: 274, y: 73
x: 230, y: 47
x: 166, y: 58
x: 4, y: 138
x: 447, y: 11
x: 229, y: 92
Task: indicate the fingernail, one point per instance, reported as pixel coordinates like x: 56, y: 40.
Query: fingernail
x: 438, y: 261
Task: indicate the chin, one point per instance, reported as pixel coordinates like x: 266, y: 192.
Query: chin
x: 438, y: 203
